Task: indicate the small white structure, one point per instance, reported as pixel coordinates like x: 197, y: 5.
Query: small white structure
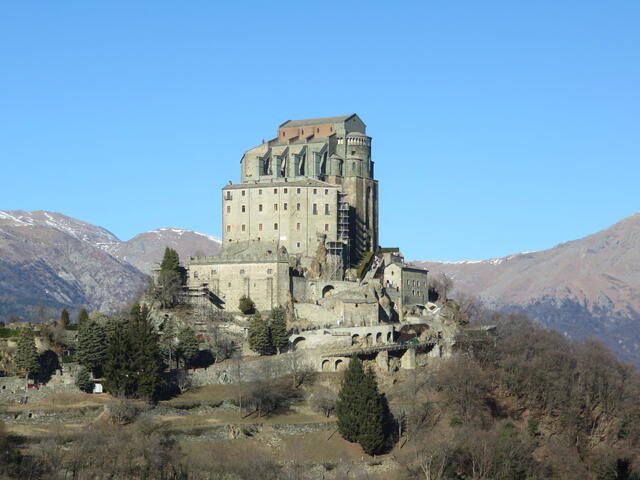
x: 97, y: 388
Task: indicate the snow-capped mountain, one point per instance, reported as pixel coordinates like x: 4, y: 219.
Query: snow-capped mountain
x: 52, y: 260
x: 584, y: 287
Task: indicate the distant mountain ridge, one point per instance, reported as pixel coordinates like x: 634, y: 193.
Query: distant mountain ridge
x: 589, y: 286
x: 52, y: 260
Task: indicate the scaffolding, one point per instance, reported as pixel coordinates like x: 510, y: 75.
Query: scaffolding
x: 338, y: 250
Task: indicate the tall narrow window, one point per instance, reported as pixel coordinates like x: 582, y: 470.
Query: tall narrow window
x: 244, y: 227
x: 298, y: 226
x: 315, y: 208
x: 275, y: 226
x: 275, y: 207
x: 297, y: 190
x: 326, y: 209
x: 297, y: 206
x: 228, y: 208
x: 326, y: 227
x: 284, y: 206
x: 260, y: 207
x: 243, y: 192
x: 259, y: 191
x: 275, y: 190
x: 228, y: 228
x: 260, y: 226
x: 315, y: 191
x: 243, y: 208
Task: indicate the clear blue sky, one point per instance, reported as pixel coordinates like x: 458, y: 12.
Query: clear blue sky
x: 498, y: 126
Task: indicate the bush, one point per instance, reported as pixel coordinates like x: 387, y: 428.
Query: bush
x: 246, y: 305
x: 9, y: 332
x: 323, y: 401
x: 83, y: 380
x: 123, y: 412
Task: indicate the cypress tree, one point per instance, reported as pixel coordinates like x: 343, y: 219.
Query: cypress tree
x: 26, y: 353
x: 64, y: 318
x: 83, y: 316
x: 187, y: 345
x: 170, y: 261
x: 91, y: 351
x: 83, y: 380
x: 117, y: 368
x: 259, y: 338
x: 146, y: 363
x: 349, y: 403
x: 371, y: 436
x: 278, y: 329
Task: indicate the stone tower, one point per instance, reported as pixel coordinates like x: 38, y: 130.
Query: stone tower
x: 313, y: 182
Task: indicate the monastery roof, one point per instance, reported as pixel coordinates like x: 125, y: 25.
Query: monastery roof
x: 316, y: 121
x: 303, y: 182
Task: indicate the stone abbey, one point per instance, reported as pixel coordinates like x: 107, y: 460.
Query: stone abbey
x: 302, y: 226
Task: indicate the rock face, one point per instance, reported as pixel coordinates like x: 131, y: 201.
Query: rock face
x: 51, y: 260
x: 585, y: 287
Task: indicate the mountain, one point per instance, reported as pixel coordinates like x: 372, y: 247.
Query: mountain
x: 585, y: 287
x: 50, y: 260
x: 144, y: 251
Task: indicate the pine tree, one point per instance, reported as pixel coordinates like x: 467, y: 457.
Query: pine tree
x: 146, y: 363
x: 170, y: 261
x: 259, y: 338
x: 371, y: 436
x: 83, y: 316
x: 83, y: 380
x: 278, y: 329
x: 64, y: 318
x: 91, y: 348
x: 117, y: 372
x: 187, y: 345
x: 26, y: 353
x: 349, y: 403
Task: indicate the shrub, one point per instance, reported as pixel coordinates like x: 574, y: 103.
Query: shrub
x: 83, y: 380
x: 123, y: 412
x: 323, y: 401
x: 246, y: 305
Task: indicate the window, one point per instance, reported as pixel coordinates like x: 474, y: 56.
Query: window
x: 242, y: 271
x: 326, y: 209
x: 259, y: 191
x: 283, y: 134
x: 315, y: 191
x: 326, y: 227
x: 243, y: 193
x: 260, y: 207
x: 353, y: 152
x: 243, y: 208
x: 195, y: 274
x: 275, y: 226
x: 297, y: 190
x: 229, y: 285
x: 228, y: 228
x: 326, y: 191
x: 297, y: 206
x: 228, y: 208
x: 298, y: 226
x: 286, y: 190
x: 275, y: 190
x: 275, y: 207
x: 298, y: 244
x: 244, y: 227
x: 259, y: 227
x: 284, y: 206
x: 315, y: 208
x: 317, y: 130
x: 269, y: 271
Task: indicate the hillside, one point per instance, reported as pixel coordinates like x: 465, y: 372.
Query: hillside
x: 584, y: 287
x: 52, y: 260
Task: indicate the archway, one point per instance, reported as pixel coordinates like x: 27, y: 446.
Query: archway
x: 339, y: 365
x: 325, y: 365
x: 299, y: 342
x: 368, y: 340
x: 379, y: 337
x: 327, y: 291
x: 355, y: 339
x: 389, y: 338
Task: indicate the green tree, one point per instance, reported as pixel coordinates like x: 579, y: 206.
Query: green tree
x: 83, y: 316
x: 371, y: 436
x: 133, y: 366
x: 278, y: 328
x: 91, y: 348
x: 350, y: 398
x: 64, y: 318
x: 187, y: 345
x: 246, y: 305
x: 26, y: 359
x: 170, y: 261
x: 83, y: 380
x: 259, y: 336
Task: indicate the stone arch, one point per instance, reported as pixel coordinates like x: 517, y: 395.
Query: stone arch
x: 325, y: 365
x: 355, y: 339
x: 328, y: 290
x: 379, y: 337
x: 389, y: 337
x: 339, y: 365
x: 368, y: 339
x: 299, y: 342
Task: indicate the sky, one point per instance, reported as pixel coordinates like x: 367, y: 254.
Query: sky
x: 498, y: 126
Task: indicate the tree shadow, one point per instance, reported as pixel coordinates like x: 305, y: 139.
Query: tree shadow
x: 49, y: 363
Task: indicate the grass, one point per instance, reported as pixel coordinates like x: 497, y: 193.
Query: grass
x: 60, y: 401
